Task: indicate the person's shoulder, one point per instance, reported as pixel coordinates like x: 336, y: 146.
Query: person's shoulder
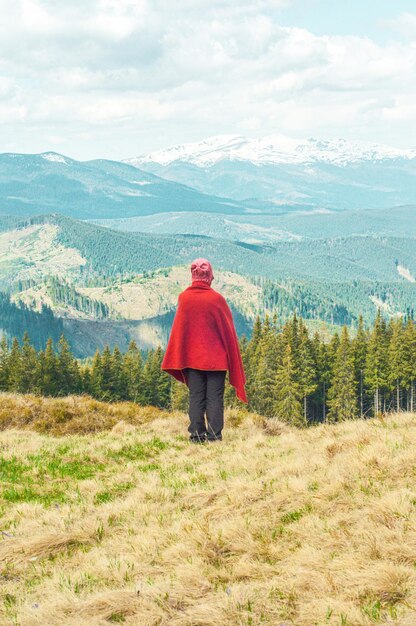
x: 216, y: 295
x: 219, y: 299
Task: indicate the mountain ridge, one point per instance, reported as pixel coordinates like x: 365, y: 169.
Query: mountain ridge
x: 32, y: 184
x: 276, y: 148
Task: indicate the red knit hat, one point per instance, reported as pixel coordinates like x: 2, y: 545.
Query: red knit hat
x: 201, y: 269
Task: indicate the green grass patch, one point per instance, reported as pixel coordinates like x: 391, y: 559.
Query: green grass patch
x: 138, y: 451
x: 112, y: 493
x: 28, y: 494
x: 12, y: 470
x: 294, y: 516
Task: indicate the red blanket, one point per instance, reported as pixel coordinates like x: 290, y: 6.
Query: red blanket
x: 203, y: 336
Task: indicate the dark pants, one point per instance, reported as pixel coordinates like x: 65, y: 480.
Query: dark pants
x: 206, y: 394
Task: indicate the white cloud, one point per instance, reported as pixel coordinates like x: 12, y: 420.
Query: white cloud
x: 404, y: 24
x: 156, y: 72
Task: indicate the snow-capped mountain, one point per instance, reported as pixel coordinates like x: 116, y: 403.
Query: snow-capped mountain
x: 284, y: 172
x: 272, y: 149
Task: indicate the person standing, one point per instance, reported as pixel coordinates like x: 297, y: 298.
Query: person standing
x: 202, y: 347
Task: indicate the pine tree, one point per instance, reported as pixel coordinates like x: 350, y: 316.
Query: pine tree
x: 48, y: 371
x: 359, y: 346
x: 106, y: 374
x: 266, y: 369
x: 86, y: 381
x: 251, y: 362
x: 162, y: 379
x: 342, y: 399
x: 396, y: 358
x: 118, y: 384
x: 149, y: 392
x: 376, y: 375
x: 4, y: 364
x: 14, y: 366
x: 409, y: 338
x: 306, y: 366
x: 96, y: 375
x: 287, y: 392
x: 179, y: 396
x: 67, y: 369
x: 133, y: 371
x: 27, y: 366
x: 323, y: 374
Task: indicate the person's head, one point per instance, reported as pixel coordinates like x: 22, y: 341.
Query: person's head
x: 201, y: 269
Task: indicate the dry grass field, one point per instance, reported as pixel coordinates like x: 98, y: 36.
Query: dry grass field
x: 108, y: 515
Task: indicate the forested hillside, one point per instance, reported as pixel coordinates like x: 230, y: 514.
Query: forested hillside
x: 88, y: 274
x: 291, y: 374
x: 16, y: 320
x: 261, y: 228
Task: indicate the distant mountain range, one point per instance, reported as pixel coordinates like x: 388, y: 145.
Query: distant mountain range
x: 276, y: 149
x: 290, y: 174
x: 31, y: 184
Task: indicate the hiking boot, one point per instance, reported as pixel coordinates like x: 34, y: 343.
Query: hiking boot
x: 202, y: 438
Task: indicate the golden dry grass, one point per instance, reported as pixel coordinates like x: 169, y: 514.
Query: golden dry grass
x: 273, y: 526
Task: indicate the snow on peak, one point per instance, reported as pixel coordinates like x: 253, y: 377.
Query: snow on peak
x: 54, y: 157
x: 274, y: 148
x: 205, y: 152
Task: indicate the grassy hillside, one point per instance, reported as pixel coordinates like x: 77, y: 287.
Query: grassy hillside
x: 134, y: 525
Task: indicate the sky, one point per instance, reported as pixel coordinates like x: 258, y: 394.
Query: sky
x: 121, y: 78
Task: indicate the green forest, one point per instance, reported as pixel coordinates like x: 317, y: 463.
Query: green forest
x: 39, y: 324
x: 292, y: 375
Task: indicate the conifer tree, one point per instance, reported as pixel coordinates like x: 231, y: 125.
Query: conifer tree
x: 67, y: 369
x: 342, y: 399
x: 333, y: 348
x: 409, y: 338
x: 48, y: 371
x: 86, y: 382
x: 323, y: 374
x: 306, y: 367
x: 376, y: 375
x: 179, y: 396
x: 291, y: 335
x: 359, y: 346
x: 251, y: 361
x: 133, y: 371
x: 396, y: 358
x: 287, y: 392
x: 96, y: 375
x: 14, y: 366
x: 27, y: 365
x: 118, y: 384
x: 4, y: 364
x: 106, y: 374
x: 149, y: 391
x: 162, y: 380
x: 266, y: 369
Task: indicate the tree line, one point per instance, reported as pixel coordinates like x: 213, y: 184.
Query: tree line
x: 292, y: 374
x: 39, y: 324
x: 301, y: 378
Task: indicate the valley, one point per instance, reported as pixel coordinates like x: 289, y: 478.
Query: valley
x: 104, y: 246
